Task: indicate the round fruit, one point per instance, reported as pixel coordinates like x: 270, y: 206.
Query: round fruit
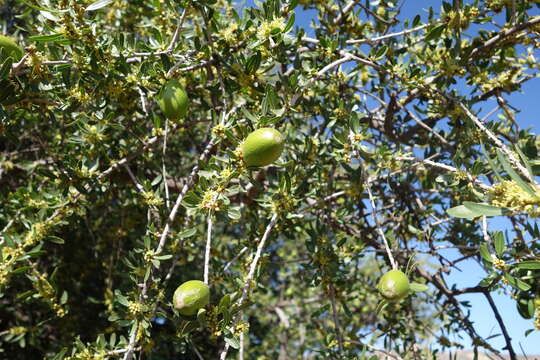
x: 173, y: 100
x: 262, y: 147
x: 394, y: 285
x: 190, y: 297
x: 10, y: 49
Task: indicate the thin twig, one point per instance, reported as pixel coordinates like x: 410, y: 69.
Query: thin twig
x: 376, y: 16
x: 251, y: 274
x: 335, y: 316
x: 241, y: 350
x: 20, y: 63
x: 387, y: 36
x: 164, y: 169
x: 143, y: 101
x: 487, y: 238
x: 345, y: 11
x: 497, y: 142
x: 445, y: 167
x: 244, y: 249
x: 115, y: 352
x: 504, y: 34
x: 374, y: 349
x: 379, y: 229
x: 423, y: 124
x: 176, y: 34
x: 208, y: 248
x: 195, y: 350
x: 165, y: 232
x: 507, y: 337
x: 139, y: 187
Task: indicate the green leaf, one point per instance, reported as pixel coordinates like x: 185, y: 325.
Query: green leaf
x: 293, y: 4
x: 381, y: 51
x: 49, y: 16
x: 461, y: 212
x: 435, y: 32
x: 39, y: 8
x: 524, y: 159
x: 55, y: 239
x: 290, y: 23
x: 417, y: 287
x: 64, y: 298
x: 5, y: 69
x: 61, y: 354
x: 517, y: 283
x: 98, y: 5
x: 224, y: 303
x: 508, y: 168
x: 122, y: 300
x: 47, y: 38
x: 187, y: 233
x: 488, y: 280
x: 24, y: 295
x: 21, y: 270
x: 233, y: 342
x: 201, y: 316
x: 529, y: 265
x: 499, y: 243
x: 253, y: 63
x: 485, y: 254
x: 233, y: 212
x: 481, y: 209
x: 249, y: 115
x: 272, y: 98
x: 416, y: 20
x: 492, y: 164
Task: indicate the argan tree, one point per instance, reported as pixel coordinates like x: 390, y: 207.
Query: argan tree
x: 301, y: 189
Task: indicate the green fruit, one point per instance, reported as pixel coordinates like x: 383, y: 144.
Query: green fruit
x: 262, y: 147
x: 190, y: 297
x: 394, y: 285
x: 10, y: 49
x: 173, y: 100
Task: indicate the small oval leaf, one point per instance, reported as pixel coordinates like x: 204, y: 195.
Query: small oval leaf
x: 98, y: 5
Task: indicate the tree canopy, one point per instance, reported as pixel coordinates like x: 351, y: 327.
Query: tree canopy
x: 396, y: 141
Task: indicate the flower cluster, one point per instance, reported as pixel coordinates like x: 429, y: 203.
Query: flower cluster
x: 268, y: 27
x: 508, y: 194
x: 499, y: 263
x: 135, y: 308
x: 210, y: 201
x: 152, y: 199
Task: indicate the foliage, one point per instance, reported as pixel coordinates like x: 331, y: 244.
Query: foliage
x: 399, y: 143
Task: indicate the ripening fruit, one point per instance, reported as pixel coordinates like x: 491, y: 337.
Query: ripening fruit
x: 173, y: 100
x: 262, y: 147
x: 394, y: 285
x: 190, y: 297
x: 10, y: 49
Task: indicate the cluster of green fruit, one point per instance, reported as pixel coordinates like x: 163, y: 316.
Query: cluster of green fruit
x: 262, y: 147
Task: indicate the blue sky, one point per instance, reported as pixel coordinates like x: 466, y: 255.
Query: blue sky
x: 471, y: 273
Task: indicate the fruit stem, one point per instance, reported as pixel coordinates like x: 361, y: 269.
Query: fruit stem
x: 379, y: 229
